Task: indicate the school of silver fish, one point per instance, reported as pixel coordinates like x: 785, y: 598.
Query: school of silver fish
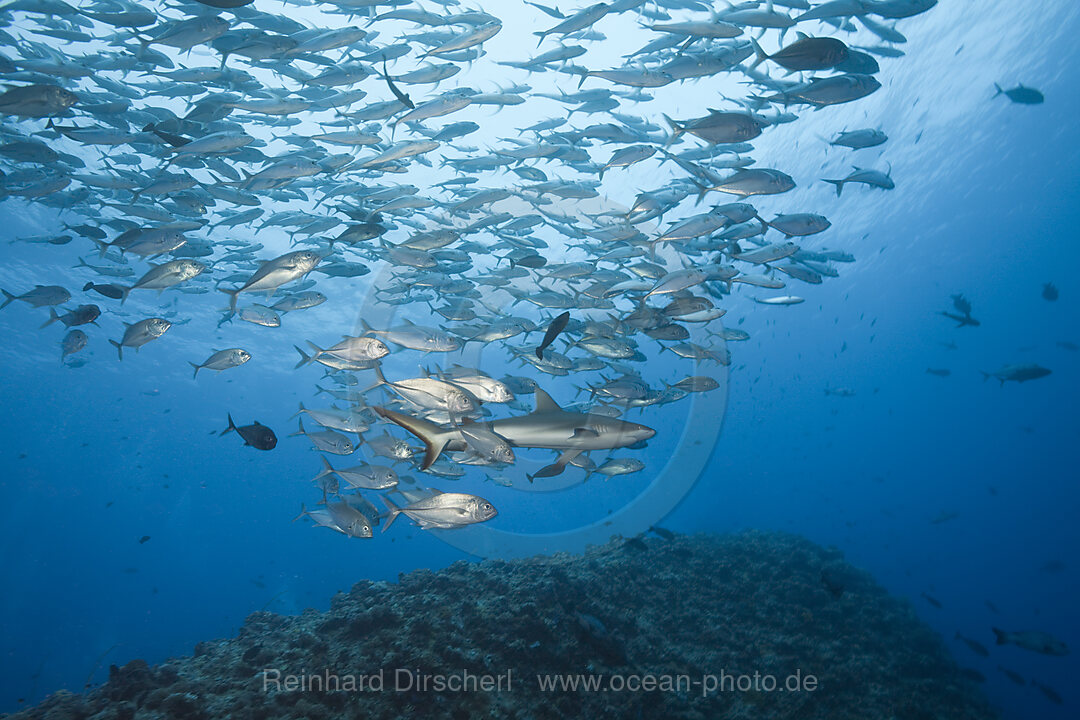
x: 248, y: 148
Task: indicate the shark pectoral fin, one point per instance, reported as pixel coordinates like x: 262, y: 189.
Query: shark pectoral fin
x: 547, y: 471
x: 557, y: 467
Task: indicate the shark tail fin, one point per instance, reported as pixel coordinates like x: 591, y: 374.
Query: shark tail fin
x: 434, y: 437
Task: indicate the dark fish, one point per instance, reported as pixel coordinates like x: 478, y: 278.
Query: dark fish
x: 807, y: 53
x: 557, y: 326
x: 976, y: 647
x: 1050, y: 292
x: 40, y: 296
x: 402, y: 97
x: 961, y: 320
x: 143, y: 539
x: 1017, y: 373
x: 1033, y: 640
x: 1014, y: 676
x: 1021, y: 95
x: 662, y: 532
x: 256, y: 435
x: 940, y: 372
x: 108, y: 290
x: 170, y: 138
x: 1049, y: 692
x: 81, y: 315
x: 72, y: 343
x: 932, y: 600
x: 858, y: 62
x: 961, y: 303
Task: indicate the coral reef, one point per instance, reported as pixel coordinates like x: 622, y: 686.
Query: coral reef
x: 688, y: 618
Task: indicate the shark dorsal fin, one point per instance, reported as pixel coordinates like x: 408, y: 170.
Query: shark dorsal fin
x: 544, y: 403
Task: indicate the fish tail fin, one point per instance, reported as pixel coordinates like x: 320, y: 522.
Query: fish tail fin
x: 302, y: 409
x: 392, y: 512
x: 53, y: 317
x: 986, y: 375
x: 8, y: 298
x: 305, y: 359
x: 125, y: 290
x: 380, y: 379
x: 1000, y: 635
x: 119, y: 348
x: 676, y: 130
x: 303, y: 512
x: 762, y: 56
x: 434, y: 437
x: 232, y: 426
x: 301, y: 431
x: 999, y: 90
x: 839, y: 185
x: 328, y: 469
x: 232, y: 297
x: 197, y: 368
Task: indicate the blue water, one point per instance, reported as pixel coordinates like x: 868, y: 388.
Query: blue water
x: 96, y: 457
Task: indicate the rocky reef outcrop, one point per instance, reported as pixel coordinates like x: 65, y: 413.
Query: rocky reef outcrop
x: 664, y: 627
